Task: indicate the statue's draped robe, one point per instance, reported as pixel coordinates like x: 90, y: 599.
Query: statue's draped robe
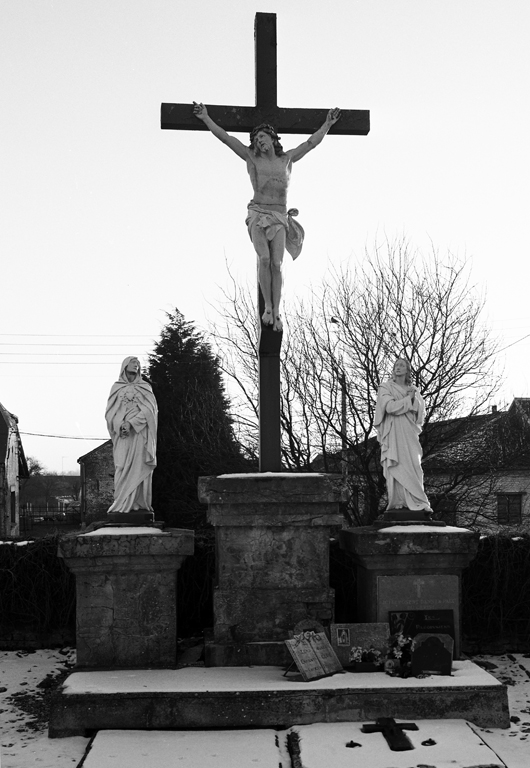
x: 398, y: 423
x: 272, y: 221
x: 135, y: 455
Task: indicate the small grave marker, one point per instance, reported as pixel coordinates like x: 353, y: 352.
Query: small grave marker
x: 432, y: 654
x: 344, y: 637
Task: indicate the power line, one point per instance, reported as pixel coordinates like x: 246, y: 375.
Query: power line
x: 514, y: 343
x: 196, y: 363
x: 62, y: 354
x: 55, y: 362
x: 64, y: 437
x: 52, y: 344
x: 82, y: 335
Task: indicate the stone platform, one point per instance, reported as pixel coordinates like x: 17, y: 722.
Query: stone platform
x: 261, y: 697
x: 437, y: 744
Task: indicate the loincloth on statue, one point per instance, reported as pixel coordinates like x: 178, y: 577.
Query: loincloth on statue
x: 272, y: 221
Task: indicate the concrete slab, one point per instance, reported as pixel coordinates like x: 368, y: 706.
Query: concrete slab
x: 260, y: 697
x: 456, y: 746
x: 186, y: 749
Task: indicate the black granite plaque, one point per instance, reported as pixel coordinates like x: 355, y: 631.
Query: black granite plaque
x: 432, y: 654
x: 413, y: 623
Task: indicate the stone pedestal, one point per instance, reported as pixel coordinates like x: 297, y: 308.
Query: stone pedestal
x: 126, y: 584
x: 405, y: 568
x: 272, y: 561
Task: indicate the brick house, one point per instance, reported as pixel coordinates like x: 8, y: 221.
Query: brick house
x: 480, y: 477
x: 13, y: 468
x: 97, y: 482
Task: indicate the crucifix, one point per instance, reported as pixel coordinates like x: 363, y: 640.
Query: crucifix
x: 265, y: 115
x: 397, y: 740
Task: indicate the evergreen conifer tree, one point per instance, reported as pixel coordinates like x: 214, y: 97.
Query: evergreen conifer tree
x: 195, y: 435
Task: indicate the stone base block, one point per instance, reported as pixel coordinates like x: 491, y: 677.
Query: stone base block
x: 126, y: 586
x: 260, y: 697
x: 408, y: 568
x: 136, y: 517
x: 264, y: 615
x: 272, y: 534
x: 268, y: 654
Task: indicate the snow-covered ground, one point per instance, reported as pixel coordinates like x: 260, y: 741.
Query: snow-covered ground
x: 28, y: 679
x: 26, y: 683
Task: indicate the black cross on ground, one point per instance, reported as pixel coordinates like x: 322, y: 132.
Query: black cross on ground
x: 180, y: 117
x: 393, y: 732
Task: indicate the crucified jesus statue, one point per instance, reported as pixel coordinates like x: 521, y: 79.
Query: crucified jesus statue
x: 270, y: 225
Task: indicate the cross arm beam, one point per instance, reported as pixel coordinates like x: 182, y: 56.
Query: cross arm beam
x: 180, y: 117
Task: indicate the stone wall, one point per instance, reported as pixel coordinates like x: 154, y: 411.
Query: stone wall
x: 97, y: 482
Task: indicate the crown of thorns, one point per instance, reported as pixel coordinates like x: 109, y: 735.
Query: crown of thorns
x: 278, y: 149
x: 267, y: 128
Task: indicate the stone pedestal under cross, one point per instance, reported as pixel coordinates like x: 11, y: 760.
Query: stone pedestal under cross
x: 285, y: 120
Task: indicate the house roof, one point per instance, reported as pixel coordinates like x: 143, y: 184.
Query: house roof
x: 97, y: 449
x: 9, y: 423
x: 522, y: 404
x: 498, y: 439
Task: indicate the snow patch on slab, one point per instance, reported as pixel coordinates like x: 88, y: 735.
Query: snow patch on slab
x: 128, y: 531
x: 457, y: 746
x: 423, y: 529
x: 261, y: 475
x: 188, y: 749
x: 231, y: 679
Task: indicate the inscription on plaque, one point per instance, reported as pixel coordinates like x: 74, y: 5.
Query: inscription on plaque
x: 413, y: 623
x: 313, y: 655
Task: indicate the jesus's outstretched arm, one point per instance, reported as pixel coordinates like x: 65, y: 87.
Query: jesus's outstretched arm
x: 200, y: 111
x: 314, y: 140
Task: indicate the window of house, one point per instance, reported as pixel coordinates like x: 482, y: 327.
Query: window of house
x: 509, y: 508
x: 13, y: 507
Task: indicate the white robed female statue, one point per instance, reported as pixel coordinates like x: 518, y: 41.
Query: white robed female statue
x: 132, y: 417
x: 399, y: 416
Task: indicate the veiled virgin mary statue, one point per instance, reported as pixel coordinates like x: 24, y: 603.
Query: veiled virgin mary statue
x: 132, y: 416
x: 399, y: 415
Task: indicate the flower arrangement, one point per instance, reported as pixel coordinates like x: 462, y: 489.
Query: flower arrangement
x: 366, y: 655
x: 399, y: 655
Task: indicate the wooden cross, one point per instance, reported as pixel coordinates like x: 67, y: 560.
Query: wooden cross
x: 393, y: 732
x: 180, y: 117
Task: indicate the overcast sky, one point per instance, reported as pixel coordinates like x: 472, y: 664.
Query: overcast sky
x: 109, y: 222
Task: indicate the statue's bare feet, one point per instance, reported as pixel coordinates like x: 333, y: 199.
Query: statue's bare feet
x: 278, y: 325
x: 266, y: 317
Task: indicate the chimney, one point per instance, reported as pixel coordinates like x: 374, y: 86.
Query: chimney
x: 494, y: 409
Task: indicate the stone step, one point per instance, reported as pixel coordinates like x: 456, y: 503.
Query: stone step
x: 186, y: 749
x: 437, y: 744
x: 261, y: 697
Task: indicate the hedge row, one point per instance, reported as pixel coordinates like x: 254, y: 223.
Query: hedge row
x: 37, y: 592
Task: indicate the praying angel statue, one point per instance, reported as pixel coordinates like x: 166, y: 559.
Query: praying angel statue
x: 271, y: 225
